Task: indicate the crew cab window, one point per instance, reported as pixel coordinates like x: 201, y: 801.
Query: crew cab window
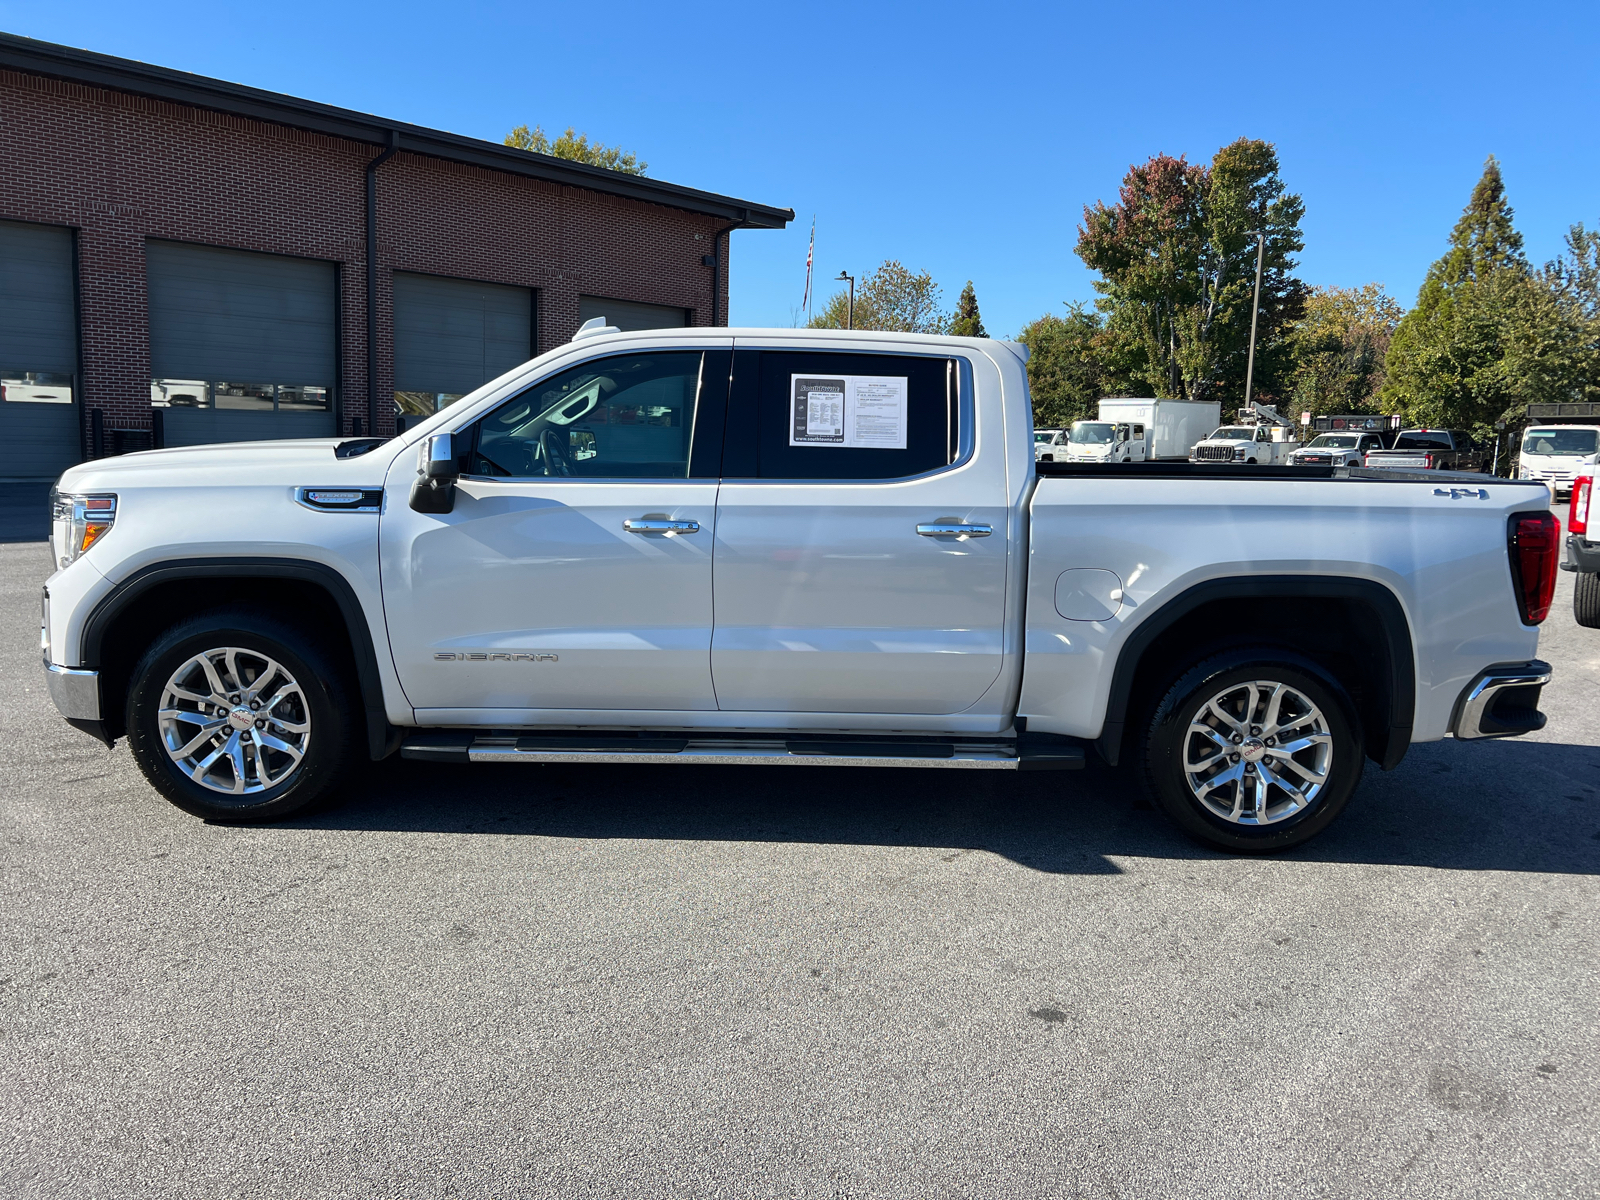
x: 1424, y: 440
x: 1138, y: 433
x: 625, y: 417
x: 822, y: 415
x: 1262, y: 435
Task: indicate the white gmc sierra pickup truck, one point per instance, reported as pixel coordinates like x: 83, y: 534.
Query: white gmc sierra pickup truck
x: 785, y: 547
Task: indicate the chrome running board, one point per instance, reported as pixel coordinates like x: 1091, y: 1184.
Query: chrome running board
x: 785, y: 752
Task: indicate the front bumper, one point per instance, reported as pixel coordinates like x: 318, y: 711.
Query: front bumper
x: 76, y: 693
x: 1503, y: 701
x: 1582, y: 555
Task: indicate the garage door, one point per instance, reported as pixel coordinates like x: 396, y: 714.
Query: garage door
x: 628, y: 314
x: 39, y: 415
x: 451, y: 335
x: 242, y: 345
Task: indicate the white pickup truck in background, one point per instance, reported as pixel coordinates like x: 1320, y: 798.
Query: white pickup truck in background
x: 786, y: 548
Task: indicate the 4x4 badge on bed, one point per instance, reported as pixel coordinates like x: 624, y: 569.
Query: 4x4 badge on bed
x: 493, y: 656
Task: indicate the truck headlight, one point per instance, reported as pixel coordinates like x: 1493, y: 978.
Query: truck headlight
x: 78, y: 522
x: 1238, y: 453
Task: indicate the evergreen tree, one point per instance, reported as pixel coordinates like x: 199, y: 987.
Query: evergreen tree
x: 967, y: 322
x: 1452, y: 362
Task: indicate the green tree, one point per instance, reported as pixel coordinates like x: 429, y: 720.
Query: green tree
x: 1338, y: 348
x: 1074, y: 361
x: 967, y: 322
x: 1176, y: 256
x: 892, y: 298
x: 577, y: 147
x: 1487, y: 334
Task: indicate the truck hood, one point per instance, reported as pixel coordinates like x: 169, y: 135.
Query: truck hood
x: 295, y: 462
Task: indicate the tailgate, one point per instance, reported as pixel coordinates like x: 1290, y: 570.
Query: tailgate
x: 1405, y: 461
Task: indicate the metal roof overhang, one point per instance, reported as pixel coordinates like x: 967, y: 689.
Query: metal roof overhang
x: 180, y: 87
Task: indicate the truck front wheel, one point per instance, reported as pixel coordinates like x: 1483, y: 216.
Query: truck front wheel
x: 1586, y: 599
x: 234, y: 715
x: 1254, y: 751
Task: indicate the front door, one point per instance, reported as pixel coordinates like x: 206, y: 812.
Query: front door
x: 575, y: 570
x: 852, y: 570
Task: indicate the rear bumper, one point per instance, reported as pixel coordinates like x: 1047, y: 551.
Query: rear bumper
x: 1503, y: 701
x: 1582, y: 555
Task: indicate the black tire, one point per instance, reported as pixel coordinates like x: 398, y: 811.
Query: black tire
x: 1586, y: 599
x: 320, y: 699
x: 1169, y: 739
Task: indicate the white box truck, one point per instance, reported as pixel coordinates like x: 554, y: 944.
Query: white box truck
x: 1139, y: 429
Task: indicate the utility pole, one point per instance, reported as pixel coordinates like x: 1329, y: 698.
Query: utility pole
x: 1255, y: 312
x: 850, y: 313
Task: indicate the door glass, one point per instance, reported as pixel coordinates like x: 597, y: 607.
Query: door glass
x: 842, y: 416
x: 627, y: 417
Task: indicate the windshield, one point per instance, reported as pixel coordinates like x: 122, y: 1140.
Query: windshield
x: 1422, y: 439
x: 1336, y: 441
x: 1043, y: 435
x: 1090, y: 433
x: 1560, y: 441
x: 1234, y: 433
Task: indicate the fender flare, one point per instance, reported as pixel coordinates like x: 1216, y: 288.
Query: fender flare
x: 382, y: 738
x: 1393, y: 628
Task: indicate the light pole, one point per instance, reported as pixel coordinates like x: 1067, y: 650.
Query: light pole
x: 850, y: 313
x: 1255, y: 311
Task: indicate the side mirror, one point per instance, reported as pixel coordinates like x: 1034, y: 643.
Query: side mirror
x: 435, y: 488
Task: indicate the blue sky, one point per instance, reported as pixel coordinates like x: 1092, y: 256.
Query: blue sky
x: 960, y: 139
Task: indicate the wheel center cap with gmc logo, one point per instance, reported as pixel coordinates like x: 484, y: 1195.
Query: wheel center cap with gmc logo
x: 1253, y: 750
x: 241, y: 718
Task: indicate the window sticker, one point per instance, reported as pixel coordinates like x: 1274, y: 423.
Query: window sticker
x: 854, y: 411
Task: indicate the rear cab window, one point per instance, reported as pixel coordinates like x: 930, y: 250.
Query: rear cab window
x: 827, y: 415
x: 1424, y: 440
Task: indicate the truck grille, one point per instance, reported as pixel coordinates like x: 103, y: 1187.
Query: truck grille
x: 1214, y: 453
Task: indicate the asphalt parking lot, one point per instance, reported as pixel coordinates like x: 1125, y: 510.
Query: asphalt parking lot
x: 619, y: 981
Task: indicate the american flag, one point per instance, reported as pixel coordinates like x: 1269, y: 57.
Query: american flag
x: 805, y: 301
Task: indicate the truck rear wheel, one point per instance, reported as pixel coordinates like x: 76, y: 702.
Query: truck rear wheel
x: 1586, y: 599
x: 1254, y: 751
x: 234, y: 715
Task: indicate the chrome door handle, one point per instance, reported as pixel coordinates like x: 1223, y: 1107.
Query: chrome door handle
x: 651, y: 525
x: 954, y: 529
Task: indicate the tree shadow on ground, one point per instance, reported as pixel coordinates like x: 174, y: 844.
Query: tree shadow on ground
x: 1504, y: 806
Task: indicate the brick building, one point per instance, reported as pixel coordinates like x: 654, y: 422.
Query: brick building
x: 186, y: 260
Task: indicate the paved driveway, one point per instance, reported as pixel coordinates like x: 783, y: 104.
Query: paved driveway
x: 616, y: 981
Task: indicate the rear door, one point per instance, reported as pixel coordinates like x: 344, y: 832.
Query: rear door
x: 861, y: 545
x: 575, y: 570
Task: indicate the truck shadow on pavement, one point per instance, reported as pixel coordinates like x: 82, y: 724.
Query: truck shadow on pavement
x: 1503, y: 806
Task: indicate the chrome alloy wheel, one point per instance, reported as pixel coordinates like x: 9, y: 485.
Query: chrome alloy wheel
x: 1257, y: 753
x: 234, y: 721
